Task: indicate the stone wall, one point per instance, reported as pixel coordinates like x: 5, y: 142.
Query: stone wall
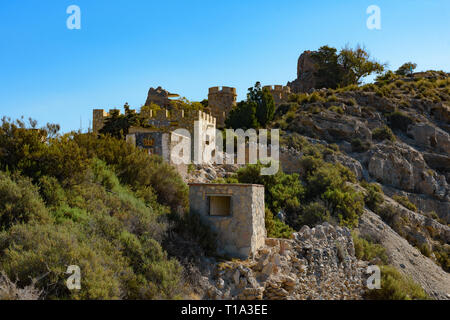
x: 163, y: 120
x: 280, y: 93
x: 242, y: 232
x: 221, y: 101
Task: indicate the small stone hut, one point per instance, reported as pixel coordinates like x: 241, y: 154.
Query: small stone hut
x: 235, y: 212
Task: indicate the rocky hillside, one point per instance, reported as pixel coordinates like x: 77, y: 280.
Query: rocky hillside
x: 394, y: 136
x: 318, y: 263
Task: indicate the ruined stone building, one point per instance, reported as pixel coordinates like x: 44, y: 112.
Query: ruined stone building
x: 235, y: 212
x: 220, y: 101
x: 160, y: 97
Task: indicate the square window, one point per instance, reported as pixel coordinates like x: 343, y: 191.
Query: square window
x: 219, y: 205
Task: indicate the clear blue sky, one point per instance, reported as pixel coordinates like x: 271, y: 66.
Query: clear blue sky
x: 57, y: 75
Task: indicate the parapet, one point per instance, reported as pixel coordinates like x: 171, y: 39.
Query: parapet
x: 226, y: 90
x: 161, y: 116
x: 278, y: 88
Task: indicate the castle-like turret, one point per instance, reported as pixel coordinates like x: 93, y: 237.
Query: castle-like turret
x: 220, y: 101
x: 280, y: 93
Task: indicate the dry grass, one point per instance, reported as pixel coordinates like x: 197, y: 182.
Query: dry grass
x: 10, y: 291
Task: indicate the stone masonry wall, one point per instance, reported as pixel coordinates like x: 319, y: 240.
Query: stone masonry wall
x: 243, y: 232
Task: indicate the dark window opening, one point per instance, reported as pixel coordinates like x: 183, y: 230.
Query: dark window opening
x: 219, y: 205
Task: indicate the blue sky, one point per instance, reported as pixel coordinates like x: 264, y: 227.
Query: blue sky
x: 54, y: 74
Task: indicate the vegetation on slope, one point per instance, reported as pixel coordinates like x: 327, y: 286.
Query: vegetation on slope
x: 93, y: 202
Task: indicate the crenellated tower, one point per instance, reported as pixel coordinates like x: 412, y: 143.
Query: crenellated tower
x: 220, y: 101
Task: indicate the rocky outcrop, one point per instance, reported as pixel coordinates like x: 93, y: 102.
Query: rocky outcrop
x: 404, y: 167
x: 331, y: 126
x: 430, y: 136
x: 317, y: 263
x: 159, y: 96
x: 306, y: 78
x: 405, y: 257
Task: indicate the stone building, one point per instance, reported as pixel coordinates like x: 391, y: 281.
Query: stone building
x: 280, y: 93
x: 156, y: 135
x: 235, y: 212
x: 220, y: 102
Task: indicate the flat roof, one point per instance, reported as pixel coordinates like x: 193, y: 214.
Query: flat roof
x: 226, y: 184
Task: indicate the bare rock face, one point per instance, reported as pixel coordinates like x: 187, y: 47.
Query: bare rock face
x: 404, y: 167
x: 441, y: 112
x: 306, y: 79
x: 318, y: 263
x: 331, y: 126
x: 406, y: 258
x: 430, y: 136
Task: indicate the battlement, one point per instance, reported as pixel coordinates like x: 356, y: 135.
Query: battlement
x: 162, y: 118
x: 220, y: 101
x: 278, y: 88
x: 194, y: 115
x: 280, y: 93
x: 226, y: 90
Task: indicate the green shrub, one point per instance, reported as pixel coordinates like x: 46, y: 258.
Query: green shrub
x: 47, y: 250
x: 374, y: 196
x: 360, y: 146
x: 314, y: 213
x: 383, y: 133
x: 345, y: 204
x: 399, y: 120
x: 192, y: 228
x: 336, y: 109
x: 365, y: 250
x: 135, y: 168
x: 351, y: 102
x: 443, y: 258
x: 107, y: 273
x: 276, y: 228
x: 404, y: 201
x: 20, y: 202
x: 332, y: 98
x: 395, y: 286
x: 51, y: 191
x: 315, y: 97
x: 280, y: 189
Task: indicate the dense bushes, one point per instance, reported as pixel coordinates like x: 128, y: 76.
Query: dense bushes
x: 275, y: 227
x: 257, y: 111
x: 373, y: 197
x: 98, y: 203
x: 320, y: 193
x: 368, y: 251
x: 404, y: 201
x: 399, y: 120
x: 19, y: 202
x: 359, y: 145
